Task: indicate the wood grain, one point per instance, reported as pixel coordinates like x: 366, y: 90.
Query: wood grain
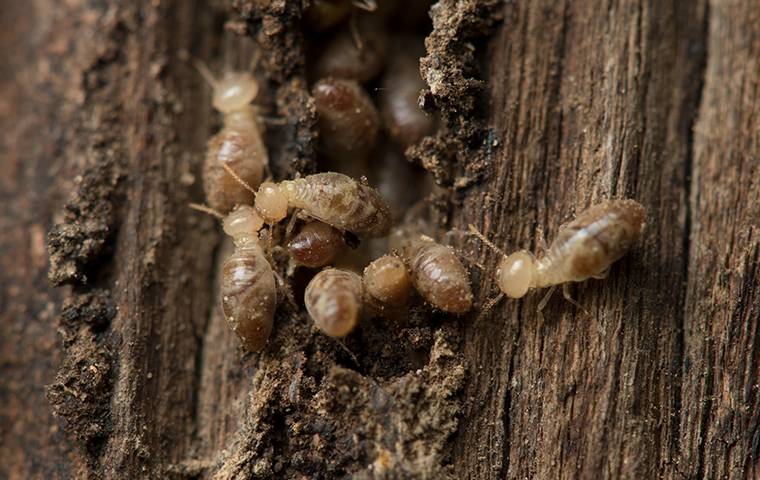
x: 132, y: 371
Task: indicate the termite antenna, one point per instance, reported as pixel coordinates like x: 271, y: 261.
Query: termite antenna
x: 482, y: 238
x: 205, y: 209
x: 367, y: 5
x: 488, y: 306
x: 470, y: 260
x: 237, y: 178
x: 206, y: 73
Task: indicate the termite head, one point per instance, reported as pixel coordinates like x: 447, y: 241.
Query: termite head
x: 234, y: 91
x: 243, y: 224
x: 271, y: 203
x: 387, y: 280
x: 515, y: 274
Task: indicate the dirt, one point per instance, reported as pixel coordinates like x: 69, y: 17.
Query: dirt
x: 81, y: 392
x: 457, y: 155
x: 383, y: 404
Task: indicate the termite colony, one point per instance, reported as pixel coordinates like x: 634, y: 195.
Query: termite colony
x: 365, y: 83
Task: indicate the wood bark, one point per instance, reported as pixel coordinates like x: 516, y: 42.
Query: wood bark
x: 131, y: 371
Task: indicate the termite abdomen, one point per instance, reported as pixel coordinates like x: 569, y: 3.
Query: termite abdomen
x: 249, y: 296
x: 439, y: 276
x: 316, y: 245
x: 340, y: 201
x: 348, y: 121
x: 239, y: 144
x: 594, y: 240
x: 242, y: 150
x: 343, y: 58
x: 401, y: 113
x: 334, y: 300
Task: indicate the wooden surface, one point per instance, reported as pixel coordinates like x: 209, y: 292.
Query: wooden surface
x: 130, y: 370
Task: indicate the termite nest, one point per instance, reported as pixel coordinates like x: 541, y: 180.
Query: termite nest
x: 362, y: 65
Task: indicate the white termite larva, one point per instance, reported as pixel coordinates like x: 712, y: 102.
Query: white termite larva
x: 248, y: 290
x: 334, y: 300
x: 239, y: 144
x: 584, y: 248
x: 438, y: 275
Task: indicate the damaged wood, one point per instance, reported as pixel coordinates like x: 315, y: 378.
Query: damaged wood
x: 546, y: 107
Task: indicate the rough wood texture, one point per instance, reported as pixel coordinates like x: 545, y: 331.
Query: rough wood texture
x: 105, y: 123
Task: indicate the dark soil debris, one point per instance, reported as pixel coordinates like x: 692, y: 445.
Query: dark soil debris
x: 77, y: 241
x: 82, y: 389
x: 342, y: 423
x: 451, y: 72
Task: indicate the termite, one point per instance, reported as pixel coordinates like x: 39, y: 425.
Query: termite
x: 438, y: 275
x: 584, y: 248
x: 324, y: 14
x: 400, y: 88
x: 239, y: 144
x: 348, y: 121
x: 343, y: 58
x: 330, y: 197
x: 334, y: 300
x: 316, y: 244
x: 248, y: 291
x: 387, y: 281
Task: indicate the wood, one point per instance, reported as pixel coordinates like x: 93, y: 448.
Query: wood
x: 131, y: 371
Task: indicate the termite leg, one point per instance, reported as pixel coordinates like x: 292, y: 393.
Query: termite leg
x: 355, y: 32
x: 206, y: 73
x: 546, y: 298
x: 542, y: 240
x: 255, y: 59
x: 566, y: 294
x: 273, y: 120
x: 291, y: 226
x: 349, y: 352
x: 602, y: 275
x: 285, y: 288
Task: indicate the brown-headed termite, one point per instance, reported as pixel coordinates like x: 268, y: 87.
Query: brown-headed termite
x: 438, y: 275
x: 341, y: 57
x: 316, y: 244
x: 584, y: 248
x: 334, y: 299
x: 400, y: 88
x: 239, y: 144
x: 248, y: 290
x: 348, y: 121
x: 333, y: 198
x: 324, y: 14
x: 387, y: 282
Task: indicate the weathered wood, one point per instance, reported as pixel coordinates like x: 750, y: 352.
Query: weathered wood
x: 104, y: 115
x: 719, y: 418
